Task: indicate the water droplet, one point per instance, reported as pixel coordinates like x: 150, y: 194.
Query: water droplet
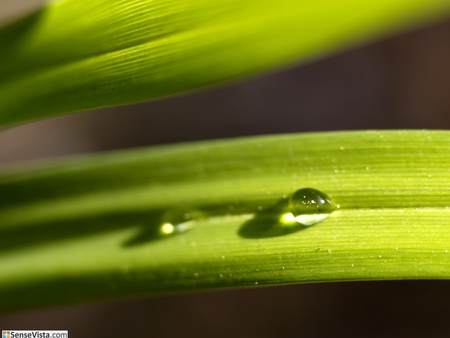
x: 256, y: 283
x: 196, y: 275
x: 221, y: 276
x: 223, y: 257
x: 178, y: 220
x: 171, y: 222
x: 308, y: 206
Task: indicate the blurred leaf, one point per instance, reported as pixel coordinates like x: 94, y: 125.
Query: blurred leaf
x: 76, y: 55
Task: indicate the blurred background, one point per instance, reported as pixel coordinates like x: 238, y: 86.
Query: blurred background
x: 401, y: 82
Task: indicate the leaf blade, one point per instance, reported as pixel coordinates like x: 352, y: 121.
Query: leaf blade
x: 84, y: 232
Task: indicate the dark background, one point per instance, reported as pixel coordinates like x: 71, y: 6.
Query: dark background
x: 402, y: 82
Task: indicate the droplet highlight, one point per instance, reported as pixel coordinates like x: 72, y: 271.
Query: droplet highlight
x: 308, y: 206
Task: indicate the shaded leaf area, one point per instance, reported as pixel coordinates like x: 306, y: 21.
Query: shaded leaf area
x: 76, y: 55
x: 207, y: 215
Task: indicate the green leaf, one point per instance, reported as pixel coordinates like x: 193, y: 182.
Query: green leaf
x: 92, y: 228
x: 75, y: 55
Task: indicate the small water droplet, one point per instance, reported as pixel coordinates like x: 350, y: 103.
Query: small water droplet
x: 256, y: 283
x: 196, y: 275
x: 223, y: 257
x: 329, y: 251
x: 260, y: 208
x: 221, y: 276
x: 178, y: 221
x: 309, y: 206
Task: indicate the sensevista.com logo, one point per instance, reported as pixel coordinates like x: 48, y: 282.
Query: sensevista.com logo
x: 34, y: 334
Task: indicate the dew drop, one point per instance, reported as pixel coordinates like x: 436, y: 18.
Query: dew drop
x: 309, y: 206
x: 178, y: 221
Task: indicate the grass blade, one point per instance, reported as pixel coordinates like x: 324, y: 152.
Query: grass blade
x: 76, y: 55
x: 90, y: 228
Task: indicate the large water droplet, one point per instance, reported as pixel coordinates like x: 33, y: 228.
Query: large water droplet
x: 308, y: 206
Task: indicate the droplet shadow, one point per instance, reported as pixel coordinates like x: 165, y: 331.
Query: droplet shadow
x: 47, y: 233
x: 268, y: 223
